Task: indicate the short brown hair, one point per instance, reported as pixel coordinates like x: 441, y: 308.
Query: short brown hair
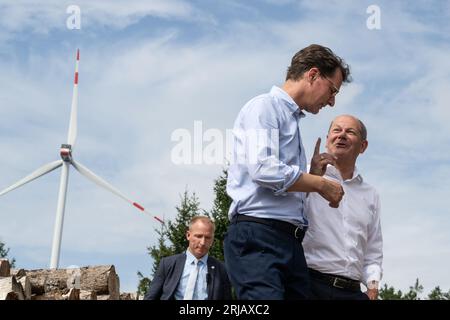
x: 320, y: 57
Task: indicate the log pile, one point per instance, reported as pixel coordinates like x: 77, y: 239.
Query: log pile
x: 86, y: 283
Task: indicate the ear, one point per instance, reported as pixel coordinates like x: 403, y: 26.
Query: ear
x: 188, y: 235
x: 312, y: 74
x: 364, y: 146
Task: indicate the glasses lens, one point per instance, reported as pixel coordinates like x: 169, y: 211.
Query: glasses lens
x: 334, y: 90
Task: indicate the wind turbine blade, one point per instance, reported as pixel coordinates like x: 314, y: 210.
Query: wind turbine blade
x: 102, y: 183
x: 74, y: 108
x: 36, y: 174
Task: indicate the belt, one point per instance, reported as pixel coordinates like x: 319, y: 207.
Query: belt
x: 298, y: 231
x: 336, y: 281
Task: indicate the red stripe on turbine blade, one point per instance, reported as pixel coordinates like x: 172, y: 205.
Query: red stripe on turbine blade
x: 78, y: 54
x: 160, y: 220
x: 138, y: 206
x: 76, y: 77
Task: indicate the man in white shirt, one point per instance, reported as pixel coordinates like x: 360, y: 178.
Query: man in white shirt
x: 343, y: 245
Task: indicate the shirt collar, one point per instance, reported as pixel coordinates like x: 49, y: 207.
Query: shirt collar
x: 190, y: 258
x: 290, y: 103
x: 333, y: 172
x: 357, y: 175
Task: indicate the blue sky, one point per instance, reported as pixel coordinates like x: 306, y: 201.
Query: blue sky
x: 149, y: 68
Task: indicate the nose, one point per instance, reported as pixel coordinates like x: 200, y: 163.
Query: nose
x: 342, y: 134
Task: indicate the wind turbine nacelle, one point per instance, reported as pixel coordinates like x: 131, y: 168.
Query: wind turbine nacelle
x: 66, y: 152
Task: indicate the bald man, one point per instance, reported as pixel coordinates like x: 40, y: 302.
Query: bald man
x: 193, y: 274
x: 343, y: 245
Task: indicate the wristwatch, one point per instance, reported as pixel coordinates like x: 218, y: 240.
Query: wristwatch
x: 372, y: 285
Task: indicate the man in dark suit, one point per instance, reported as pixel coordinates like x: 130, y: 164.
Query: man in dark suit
x: 192, y: 275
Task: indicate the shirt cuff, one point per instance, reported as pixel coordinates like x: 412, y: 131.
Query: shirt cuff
x: 290, y: 178
x: 372, y: 273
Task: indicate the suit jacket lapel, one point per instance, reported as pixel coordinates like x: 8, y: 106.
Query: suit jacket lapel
x: 210, y: 277
x: 177, y: 272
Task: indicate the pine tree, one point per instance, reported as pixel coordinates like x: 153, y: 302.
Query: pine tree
x: 388, y: 293
x: 172, y: 237
x: 176, y: 231
x: 3, y: 251
x: 219, y: 214
x: 4, y: 254
x: 157, y: 253
x: 437, y: 294
x: 413, y: 293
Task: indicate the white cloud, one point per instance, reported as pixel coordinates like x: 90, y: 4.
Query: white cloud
x: 42, y: 17
x: 135, y: 90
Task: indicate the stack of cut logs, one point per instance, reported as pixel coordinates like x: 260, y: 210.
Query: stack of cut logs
x: 86, y: 283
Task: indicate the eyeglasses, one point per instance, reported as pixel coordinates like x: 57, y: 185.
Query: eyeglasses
x: 334, y: 89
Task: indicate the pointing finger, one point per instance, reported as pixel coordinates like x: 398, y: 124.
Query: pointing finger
x: 317, y: 147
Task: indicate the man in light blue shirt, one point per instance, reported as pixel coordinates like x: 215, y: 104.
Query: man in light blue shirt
x: 267, y: 180
x: 193, y: 274
x: 199, y: 285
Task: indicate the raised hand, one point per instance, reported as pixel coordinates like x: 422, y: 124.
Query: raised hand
x: 319, y: 161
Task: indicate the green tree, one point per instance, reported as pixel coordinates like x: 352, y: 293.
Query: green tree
x: 413, y: 293
x: 157, y: 252
x: 176, y: 231
x: 219, y: 214
x: 4, y: 254
x: 389, y: 293
x: 172, y: 237
x: 437, y: 294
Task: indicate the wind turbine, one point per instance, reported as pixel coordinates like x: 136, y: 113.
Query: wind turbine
x: 65, y: 162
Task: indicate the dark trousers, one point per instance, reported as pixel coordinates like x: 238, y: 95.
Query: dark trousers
x: 265, y: 263
x: 324, y: 291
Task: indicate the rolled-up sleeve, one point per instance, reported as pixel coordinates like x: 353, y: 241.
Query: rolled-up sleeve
x: 274, y: 175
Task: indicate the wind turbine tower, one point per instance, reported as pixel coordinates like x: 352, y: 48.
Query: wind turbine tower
x: 65, y: 162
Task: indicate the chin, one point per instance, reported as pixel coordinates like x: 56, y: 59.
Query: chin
x: 340, y: 153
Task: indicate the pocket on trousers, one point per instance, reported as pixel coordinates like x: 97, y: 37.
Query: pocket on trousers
x: 243, y: 240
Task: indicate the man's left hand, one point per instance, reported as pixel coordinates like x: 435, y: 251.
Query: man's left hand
x: 372, y: 294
